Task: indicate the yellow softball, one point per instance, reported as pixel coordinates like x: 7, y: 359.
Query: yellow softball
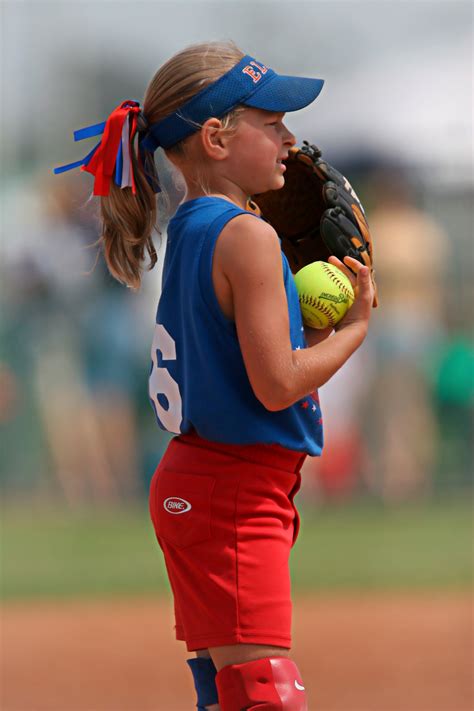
x: 325, y: 294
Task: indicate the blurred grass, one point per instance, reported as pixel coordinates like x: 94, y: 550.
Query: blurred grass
x: 99, y: 553
x: 370, y: 547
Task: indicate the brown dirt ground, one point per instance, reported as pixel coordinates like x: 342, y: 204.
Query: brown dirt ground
x: 366, y: 653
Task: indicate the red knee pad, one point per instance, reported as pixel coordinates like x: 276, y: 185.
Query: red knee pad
x: 271, y: 684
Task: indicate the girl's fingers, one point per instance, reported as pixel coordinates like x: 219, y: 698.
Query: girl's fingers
x: 337, y: 263
x: 364, y: 283
x: 354, y: 264
x: 361, y: 280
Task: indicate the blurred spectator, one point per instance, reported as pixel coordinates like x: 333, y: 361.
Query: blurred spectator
x: 9, y: 394
x: 82, y: 332
x: 453, y: 384
x: 410, y: 257
x: 337, y: 474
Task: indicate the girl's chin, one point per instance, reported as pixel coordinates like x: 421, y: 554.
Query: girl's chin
x: 276, y: 183
x: 279, y: 182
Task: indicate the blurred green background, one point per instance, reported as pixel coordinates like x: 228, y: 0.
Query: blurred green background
x: 358, y: 548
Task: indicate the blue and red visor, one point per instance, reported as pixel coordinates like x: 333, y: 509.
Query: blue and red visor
x: 248, y: 83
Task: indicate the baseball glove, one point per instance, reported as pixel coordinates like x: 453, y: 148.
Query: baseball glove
x: 316, y: 214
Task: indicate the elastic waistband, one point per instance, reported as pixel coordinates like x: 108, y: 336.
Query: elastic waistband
x: 272, y: 455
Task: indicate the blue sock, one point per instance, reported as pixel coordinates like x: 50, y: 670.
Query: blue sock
x: 204, y: 673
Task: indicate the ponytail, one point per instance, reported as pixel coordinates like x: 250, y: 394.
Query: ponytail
x: 128, y: 207
x: 128, y: 221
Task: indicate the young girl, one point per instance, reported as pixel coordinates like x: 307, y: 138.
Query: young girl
x: 234, y: 372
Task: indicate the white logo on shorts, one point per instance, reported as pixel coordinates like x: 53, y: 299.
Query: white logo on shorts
x: 176, y: 505
x: 298, y: 686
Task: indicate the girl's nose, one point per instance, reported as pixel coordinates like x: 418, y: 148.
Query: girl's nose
x: 289, y: 138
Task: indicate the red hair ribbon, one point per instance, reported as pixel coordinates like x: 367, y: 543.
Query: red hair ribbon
x: 103, y: 161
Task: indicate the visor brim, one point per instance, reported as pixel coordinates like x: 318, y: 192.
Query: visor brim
x: 284, y: 93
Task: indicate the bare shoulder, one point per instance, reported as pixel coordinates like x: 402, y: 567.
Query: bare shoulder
x: 245, y: 223
x: 247, y: 242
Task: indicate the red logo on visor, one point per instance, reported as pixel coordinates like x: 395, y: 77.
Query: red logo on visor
x: 255, y: 75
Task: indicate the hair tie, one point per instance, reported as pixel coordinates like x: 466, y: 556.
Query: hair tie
x: 112, y: 156
x: 142, y: 122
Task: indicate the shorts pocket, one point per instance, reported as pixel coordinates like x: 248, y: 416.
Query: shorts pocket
x: 296, y: 520
x: 182, y: 507
x: 296, y: 527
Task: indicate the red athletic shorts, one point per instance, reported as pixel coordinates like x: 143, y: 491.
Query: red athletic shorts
x: 225, y: 519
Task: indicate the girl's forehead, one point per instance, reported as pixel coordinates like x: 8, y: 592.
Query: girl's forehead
x: 263, y: 114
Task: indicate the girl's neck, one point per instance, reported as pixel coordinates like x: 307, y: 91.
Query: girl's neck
x: 234, y: 195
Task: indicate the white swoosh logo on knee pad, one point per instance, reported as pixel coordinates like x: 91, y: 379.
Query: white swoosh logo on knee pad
x: 298, y: 686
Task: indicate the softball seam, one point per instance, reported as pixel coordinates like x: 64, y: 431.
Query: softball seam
x: 334, y: 278
x: 319, y: 305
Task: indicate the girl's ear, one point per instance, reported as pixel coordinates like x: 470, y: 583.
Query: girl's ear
x: 213, y: 141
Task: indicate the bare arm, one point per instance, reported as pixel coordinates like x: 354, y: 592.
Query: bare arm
x: 317, y: 335
x: 251, y: 261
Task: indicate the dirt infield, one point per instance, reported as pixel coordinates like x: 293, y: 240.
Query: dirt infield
x: 403, y: 653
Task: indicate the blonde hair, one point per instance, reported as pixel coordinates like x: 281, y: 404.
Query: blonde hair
x: 127, y: 220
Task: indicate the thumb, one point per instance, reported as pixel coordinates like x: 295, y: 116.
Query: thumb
x: 363, y: 281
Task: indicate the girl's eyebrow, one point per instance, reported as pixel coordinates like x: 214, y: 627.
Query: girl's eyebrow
x: 278, y: 114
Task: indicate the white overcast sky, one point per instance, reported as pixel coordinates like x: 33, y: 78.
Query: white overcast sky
x: 398, y: 73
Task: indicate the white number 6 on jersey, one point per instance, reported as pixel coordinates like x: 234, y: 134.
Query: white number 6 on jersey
x: 161, y: 382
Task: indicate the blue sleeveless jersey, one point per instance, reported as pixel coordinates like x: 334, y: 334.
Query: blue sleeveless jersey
x: 198, y: 378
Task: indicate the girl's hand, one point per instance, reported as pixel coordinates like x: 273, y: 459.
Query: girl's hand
x: 359, y: 314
